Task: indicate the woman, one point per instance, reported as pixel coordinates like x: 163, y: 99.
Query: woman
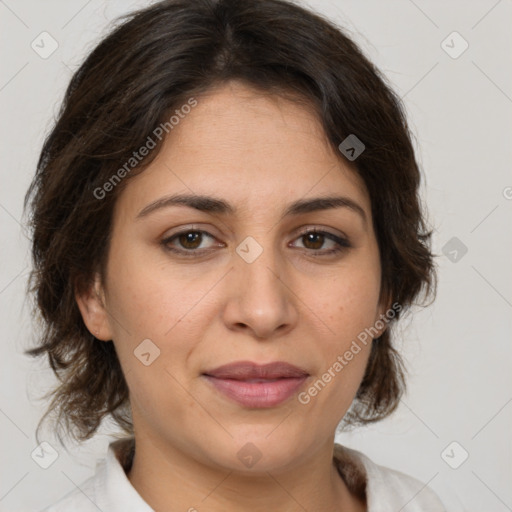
x: 226, y: 225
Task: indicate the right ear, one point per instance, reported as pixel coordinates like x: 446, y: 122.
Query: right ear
x: 91, y: 302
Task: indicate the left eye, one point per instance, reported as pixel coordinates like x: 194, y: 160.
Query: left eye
x: 190, y: 242
x: 318, y: 238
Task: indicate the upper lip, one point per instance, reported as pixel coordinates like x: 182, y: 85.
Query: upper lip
x: 241, y: 370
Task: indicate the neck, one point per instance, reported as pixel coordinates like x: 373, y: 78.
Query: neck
x: 165, y: 476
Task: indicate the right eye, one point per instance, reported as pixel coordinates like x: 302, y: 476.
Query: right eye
x: 189, y: 240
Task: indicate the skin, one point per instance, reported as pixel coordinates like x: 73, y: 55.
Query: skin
x: 290, y: 304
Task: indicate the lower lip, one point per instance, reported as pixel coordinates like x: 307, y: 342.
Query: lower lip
x: 257, y: 394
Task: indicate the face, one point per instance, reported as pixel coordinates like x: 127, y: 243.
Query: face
x: 243, y: 281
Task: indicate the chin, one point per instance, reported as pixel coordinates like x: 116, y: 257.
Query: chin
x: 254, y: 451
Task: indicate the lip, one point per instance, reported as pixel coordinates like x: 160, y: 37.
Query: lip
x: 244, y: 370
x: 257, y: 386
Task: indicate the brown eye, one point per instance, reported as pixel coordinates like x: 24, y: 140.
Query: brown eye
x: 187, y: 242
x: 314, y: 240
x: 190, y: 240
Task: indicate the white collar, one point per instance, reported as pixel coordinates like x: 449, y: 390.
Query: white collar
x: 113, y: 491
x: 110, y: 490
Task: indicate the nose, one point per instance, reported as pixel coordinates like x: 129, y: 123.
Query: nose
x: 260, y: 301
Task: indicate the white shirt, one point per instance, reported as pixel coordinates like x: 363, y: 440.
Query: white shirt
x: 387, y: 490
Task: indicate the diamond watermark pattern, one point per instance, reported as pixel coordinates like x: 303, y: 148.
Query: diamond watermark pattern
x: 146, y: 352
x: 352, y: 147
x: 249, y: 455
x: 454, y: 45
x: 44, y: 45
x: 249, y: 250
x: 454, y: 249
x: 44, y: 455
x: 454, y: 455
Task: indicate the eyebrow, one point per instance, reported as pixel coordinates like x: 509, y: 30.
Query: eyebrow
x: 219, y: 206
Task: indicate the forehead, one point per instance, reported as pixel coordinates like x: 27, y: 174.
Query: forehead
x: 249, y: 148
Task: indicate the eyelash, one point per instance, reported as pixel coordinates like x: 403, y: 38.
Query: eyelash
x: 342, y: 243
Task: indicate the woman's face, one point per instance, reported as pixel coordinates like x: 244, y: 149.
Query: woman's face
x: 253, y: 287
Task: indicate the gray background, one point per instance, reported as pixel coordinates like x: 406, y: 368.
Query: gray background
x: 458, y: 350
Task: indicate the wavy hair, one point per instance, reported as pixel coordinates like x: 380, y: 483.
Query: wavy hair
x: 145, y: 68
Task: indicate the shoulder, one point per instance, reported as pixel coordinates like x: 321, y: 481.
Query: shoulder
x: 81, y: 499
x: 109, y: 489
x: 388, y: 489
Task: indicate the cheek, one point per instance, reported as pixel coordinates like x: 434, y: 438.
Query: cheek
x: 352, y: 300
x: 349, y: 307
x: 157, y: 324
x: 149, y: 299
x: 168, y: 308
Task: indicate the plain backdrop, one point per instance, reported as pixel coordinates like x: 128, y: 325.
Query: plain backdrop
x: 458, y: 351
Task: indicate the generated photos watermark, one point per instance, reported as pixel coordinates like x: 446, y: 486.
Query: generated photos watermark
x: 342, y: 360
x: 144, y: 150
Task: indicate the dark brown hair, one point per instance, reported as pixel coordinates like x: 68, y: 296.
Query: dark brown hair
x: 147, y: 67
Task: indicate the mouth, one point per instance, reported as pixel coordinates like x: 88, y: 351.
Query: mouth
x: 257, y: 386
x: 246, y: 370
